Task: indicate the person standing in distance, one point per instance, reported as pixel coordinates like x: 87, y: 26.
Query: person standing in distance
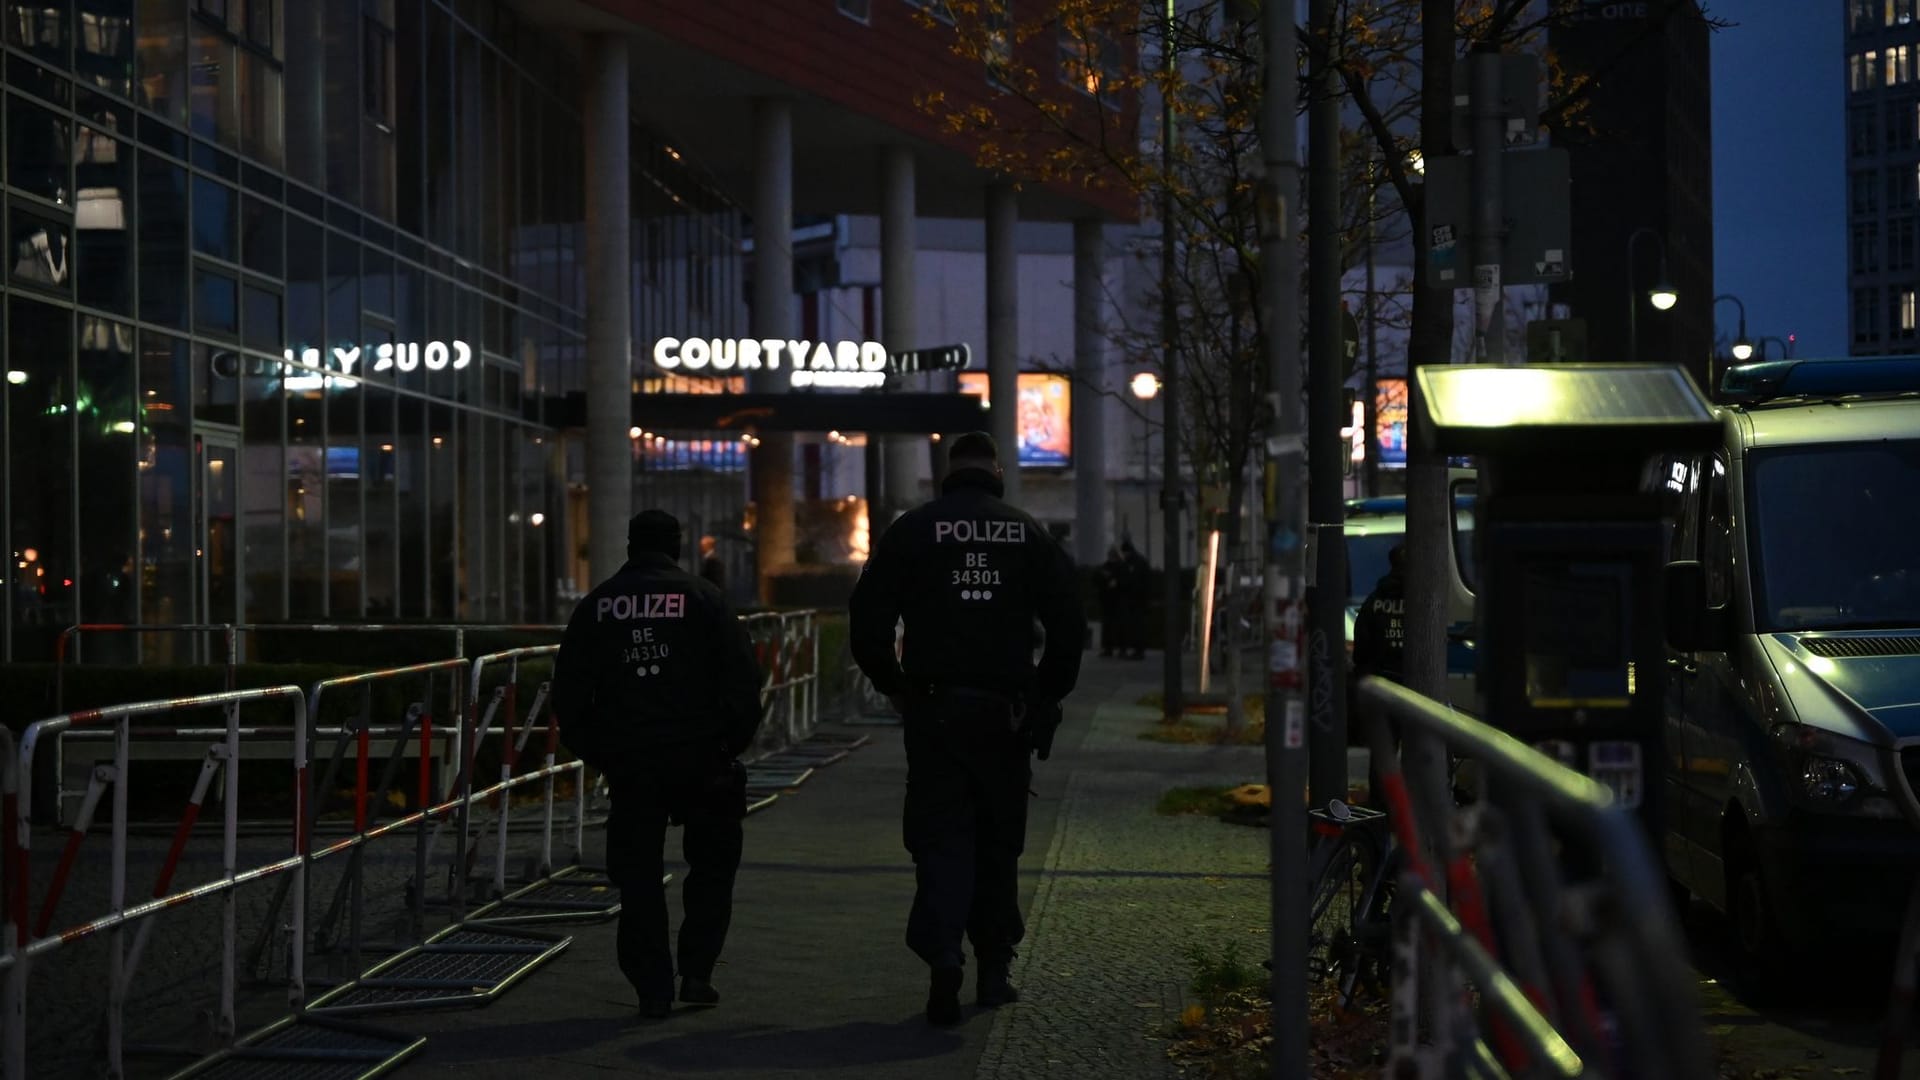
x: 657, y: 688
x: 969, y: 575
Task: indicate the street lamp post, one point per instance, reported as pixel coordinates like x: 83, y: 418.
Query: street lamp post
x: 1145, y: 386
x: 1786, y: 350
x: 1662, y: 295
x: 1742, y: 347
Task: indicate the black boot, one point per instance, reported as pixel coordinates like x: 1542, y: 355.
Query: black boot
x: 698, y: 992
x: 943, y: 999
x: 991, y: 987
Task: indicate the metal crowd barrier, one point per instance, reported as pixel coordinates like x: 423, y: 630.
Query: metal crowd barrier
x: 234, y: 636
x: 1542, y: 895
x: 37, y: 938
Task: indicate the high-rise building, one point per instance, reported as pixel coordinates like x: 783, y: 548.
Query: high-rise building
x: 1883, y: 173
x: 1642, y: 163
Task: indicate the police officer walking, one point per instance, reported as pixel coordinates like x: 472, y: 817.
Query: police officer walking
x: 969, y: 575
x: 656, y: 687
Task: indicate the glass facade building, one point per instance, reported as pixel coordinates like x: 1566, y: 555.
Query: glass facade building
x: 293, y: 302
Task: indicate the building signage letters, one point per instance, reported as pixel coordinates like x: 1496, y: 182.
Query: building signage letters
x: 809, y: 363
x: 404, y: 356
x: 857, y: 364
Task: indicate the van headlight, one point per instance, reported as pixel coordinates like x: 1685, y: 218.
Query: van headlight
x: 1834, y: 774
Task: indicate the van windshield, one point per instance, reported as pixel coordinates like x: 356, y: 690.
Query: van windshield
x: 1367, y: 562
x: 1834, y: 530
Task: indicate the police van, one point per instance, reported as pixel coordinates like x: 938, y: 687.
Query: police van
x: 1792, y: 736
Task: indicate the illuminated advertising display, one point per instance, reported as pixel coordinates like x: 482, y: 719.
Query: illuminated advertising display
x: 1045, y: 423
x: 1390, y: 422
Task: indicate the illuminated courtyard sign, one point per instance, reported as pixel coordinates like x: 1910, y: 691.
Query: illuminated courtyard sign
x: 809, y: 363
x: 857, y: 364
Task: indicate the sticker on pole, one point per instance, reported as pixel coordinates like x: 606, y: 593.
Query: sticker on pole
x: 1295, y: 731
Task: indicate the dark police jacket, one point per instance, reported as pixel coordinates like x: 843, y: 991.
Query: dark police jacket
x: 1380, y: 630
x: 969, y: 574
x: 654, y: 663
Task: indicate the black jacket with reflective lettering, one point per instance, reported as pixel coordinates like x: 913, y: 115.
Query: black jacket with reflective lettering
x: 654, y: 661
x: 969, y: 575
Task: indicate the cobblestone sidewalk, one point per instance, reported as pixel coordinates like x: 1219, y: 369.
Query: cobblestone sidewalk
x: 1125, y: 892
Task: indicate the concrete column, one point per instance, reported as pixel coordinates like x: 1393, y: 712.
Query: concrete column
x: 1003, y: 329
x: 609, y: 314
x: 1090, y: 525
x: 772, y: 317
x: 898, y: 243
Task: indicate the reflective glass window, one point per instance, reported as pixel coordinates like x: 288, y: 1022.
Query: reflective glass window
x: 343, y: 290
x: 306, y: 283
x: 214, y: 113
x: 165, y: 469
x: 103, y: 44
x: 260, y: 316
x: 38, y: 251
x: 216, y: 302
x: 410, y: 489
x: 40, y: 29
x: 103, y: 221
x: 40, y: 426
x: 108, y: 427
x: 263, y: 489
x: 443, y: 522
x: 162, y: 228
x: 346, y: 553
x: 261, y: 245
x: 258, y: 90
x: 215, y: 228
x: 378, y: 452
x: 39, y: 150
x: 162, y: 58
x: 306, y: 497
x: 343, y: 112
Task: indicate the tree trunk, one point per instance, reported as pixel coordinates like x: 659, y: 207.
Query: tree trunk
x: 1431, y: 342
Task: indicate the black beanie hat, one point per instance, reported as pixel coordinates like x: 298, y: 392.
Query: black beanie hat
x: 656, y: 531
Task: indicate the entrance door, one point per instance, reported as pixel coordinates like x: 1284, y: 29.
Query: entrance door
x: 216, y: 532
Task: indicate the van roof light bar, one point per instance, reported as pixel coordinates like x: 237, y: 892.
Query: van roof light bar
x: 1752, y: 384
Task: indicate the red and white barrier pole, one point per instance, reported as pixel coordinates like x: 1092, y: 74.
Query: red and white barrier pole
x: 188, y: 817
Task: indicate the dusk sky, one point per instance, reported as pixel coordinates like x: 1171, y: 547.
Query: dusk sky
x: 1779, y: 221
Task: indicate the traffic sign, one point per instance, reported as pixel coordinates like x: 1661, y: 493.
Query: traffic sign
x: 1534, y: 186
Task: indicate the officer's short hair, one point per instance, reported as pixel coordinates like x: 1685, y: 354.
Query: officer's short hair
x: 654, y: 530
x: 975, y: 447
x: 1397, y: 557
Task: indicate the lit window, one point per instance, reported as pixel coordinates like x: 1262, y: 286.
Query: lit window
x: 1906, y: 311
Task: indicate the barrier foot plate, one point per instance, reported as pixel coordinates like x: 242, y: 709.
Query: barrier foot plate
x: 465, y: 964
x: 307, y: 1047
x: 569, y: 894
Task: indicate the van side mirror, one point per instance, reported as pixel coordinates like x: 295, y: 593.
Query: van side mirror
x: 1692, y: 626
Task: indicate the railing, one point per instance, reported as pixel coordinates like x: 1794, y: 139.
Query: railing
x: 512, y: 745
x: 234, y: 636
x: 787, y: 647
x: 42, y: 939
x: 1542, y: 895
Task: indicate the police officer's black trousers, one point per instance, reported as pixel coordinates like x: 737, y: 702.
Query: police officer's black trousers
x: 709, y: 800
x: 965, y: 825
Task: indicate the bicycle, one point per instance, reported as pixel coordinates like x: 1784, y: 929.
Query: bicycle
x: 1351, y: 866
